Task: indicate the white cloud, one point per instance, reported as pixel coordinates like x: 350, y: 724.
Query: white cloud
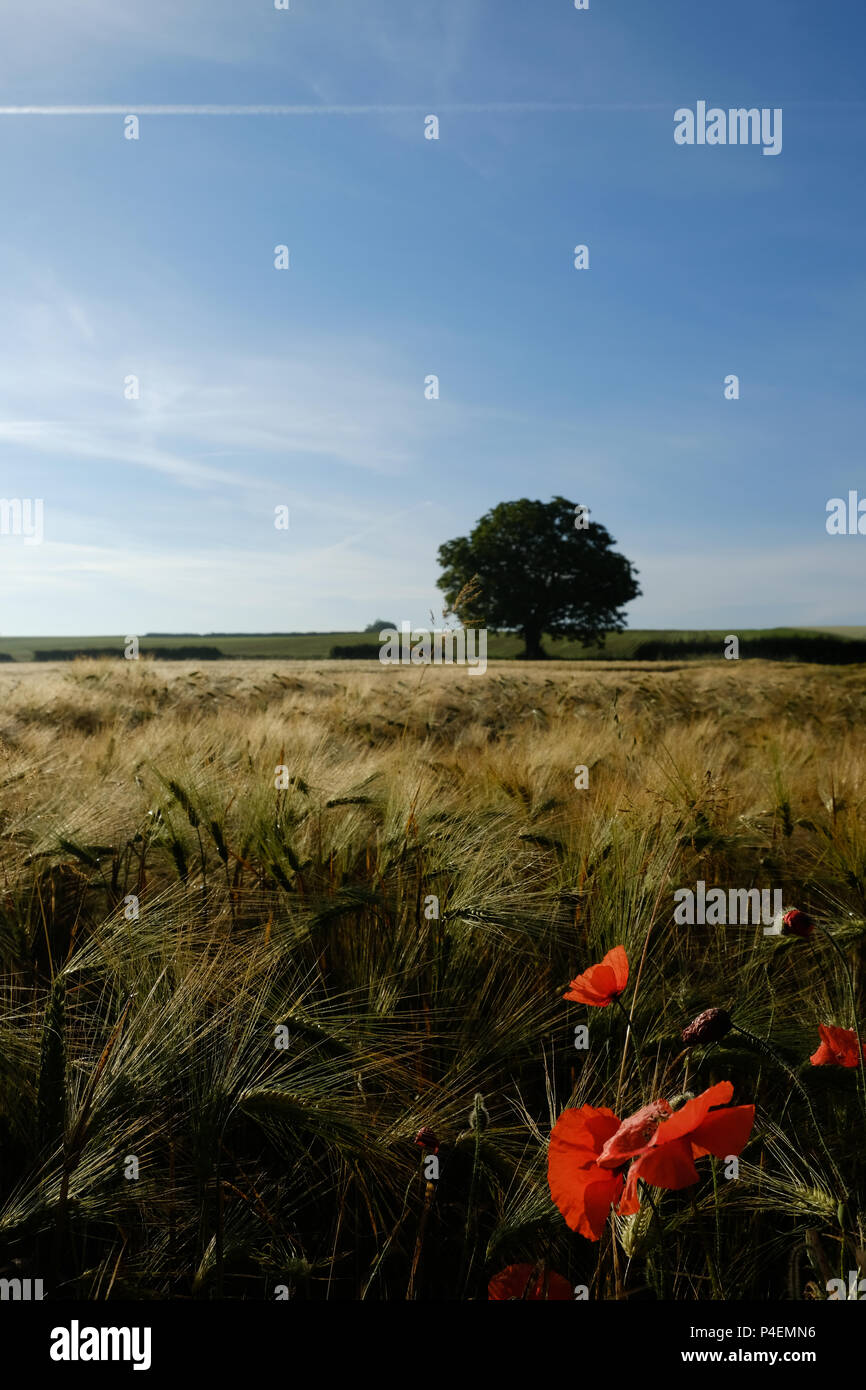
x: 64, y: 362
x: 317, y: 45
x: 283, y: 584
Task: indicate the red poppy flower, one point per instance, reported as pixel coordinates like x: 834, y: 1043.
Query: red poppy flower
x: 667, y: 1159
x: 838, y: 1048
x: 602, y: 983
x: 589, y: 1149
x: 528, y: 1282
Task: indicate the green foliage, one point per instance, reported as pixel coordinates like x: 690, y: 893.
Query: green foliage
x: 537, y: 572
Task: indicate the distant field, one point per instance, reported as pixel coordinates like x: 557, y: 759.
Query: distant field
x: 854, y: 633
x: 316, y: 646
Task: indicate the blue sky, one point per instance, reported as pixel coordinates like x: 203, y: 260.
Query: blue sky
x: 411, y: 257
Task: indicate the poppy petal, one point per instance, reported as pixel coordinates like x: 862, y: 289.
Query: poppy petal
x: 594, y: 986
x: 633, y: 1135
x: 838, y: 1047
x: 670, y: 1165
x: 528, y: 1282
x: 617, y: 961
x: 724, y: 1132
x: 599, y: 1197
x: 629, y: 1202
x: 690, y: 1115
x: 579, y: 1136
x: 585, y: 1197
x: 582, y: 1191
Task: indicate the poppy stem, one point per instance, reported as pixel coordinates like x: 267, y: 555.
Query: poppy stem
x: 646, y: 1191
x: 615, y: 1253
x: 718, y: 1292
x: 630, y: 1033
x: 429, y: 1198
x: 470, y: 1235
x: 716, y: 1211
x: 853, y: 997
x: 662, y: 888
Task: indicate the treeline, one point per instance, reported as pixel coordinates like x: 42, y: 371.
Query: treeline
x: 362, y: 651
x: 818, y: 647
x: 191, y: 653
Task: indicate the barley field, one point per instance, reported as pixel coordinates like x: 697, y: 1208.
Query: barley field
x: 272, y: 936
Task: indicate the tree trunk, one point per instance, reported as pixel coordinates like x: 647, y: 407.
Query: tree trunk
x: 532, y: 639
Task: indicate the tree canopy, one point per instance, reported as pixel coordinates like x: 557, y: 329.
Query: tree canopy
x: 540, y: 567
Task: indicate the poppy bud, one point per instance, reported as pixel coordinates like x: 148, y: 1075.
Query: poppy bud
x: 708, y: 1027
x: 677, y: 1102
x: 797, y: 923
x: 426, y: 1139
x: 478, y: 1116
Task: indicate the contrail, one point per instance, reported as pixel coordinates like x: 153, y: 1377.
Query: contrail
x: 467, y: 108
x: 456, y: 107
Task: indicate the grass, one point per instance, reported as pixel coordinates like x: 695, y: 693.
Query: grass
x: 169, y: 918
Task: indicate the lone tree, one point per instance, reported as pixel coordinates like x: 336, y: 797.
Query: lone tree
x: 541, y: 567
